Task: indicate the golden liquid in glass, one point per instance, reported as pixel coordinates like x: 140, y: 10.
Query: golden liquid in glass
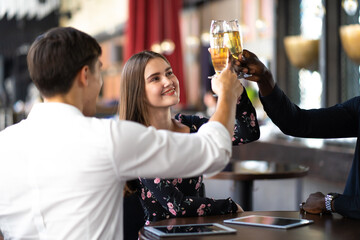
x: 218, y: 40
x: 219, y: 58
x: 233, y: 42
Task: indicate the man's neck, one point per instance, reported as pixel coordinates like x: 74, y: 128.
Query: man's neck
x: 67, y: 99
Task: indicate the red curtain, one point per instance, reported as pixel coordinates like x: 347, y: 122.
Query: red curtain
x: 153, y: 21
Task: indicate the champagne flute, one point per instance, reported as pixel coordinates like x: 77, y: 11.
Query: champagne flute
x: 218, y: 47
x: 234, y: 41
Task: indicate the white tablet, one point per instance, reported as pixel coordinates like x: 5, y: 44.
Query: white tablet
x: 269, y: 221
x: 189, y: 230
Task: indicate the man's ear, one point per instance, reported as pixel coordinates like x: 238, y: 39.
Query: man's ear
x: 84, y: 76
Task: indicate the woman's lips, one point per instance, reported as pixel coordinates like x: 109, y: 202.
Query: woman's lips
x: 169, y: 92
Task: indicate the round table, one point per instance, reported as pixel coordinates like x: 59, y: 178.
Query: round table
x: 245, y: 172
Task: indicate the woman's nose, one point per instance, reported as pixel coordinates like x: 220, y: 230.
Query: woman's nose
x: 167, y: 81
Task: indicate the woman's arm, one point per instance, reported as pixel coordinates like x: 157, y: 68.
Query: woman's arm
x: 246, y: 127
x: 246, y: 124
x: 177, y: 204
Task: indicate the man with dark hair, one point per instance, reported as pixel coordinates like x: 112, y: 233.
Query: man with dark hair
x: 56, y: 57
x: 62, y: 171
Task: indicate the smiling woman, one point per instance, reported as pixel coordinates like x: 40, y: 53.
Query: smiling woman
x: 149, y: 88
x: 161, y: 88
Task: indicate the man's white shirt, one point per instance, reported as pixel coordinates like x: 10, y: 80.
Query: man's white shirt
x: 62, y: 174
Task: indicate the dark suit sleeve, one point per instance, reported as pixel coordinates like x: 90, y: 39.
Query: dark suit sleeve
x: 334, y: 122
x: 348, y: 206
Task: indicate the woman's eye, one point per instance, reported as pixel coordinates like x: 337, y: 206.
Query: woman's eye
x: 155, y: 79
x: 169, y: 73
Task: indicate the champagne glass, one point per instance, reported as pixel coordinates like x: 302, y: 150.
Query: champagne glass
x: 234, y: 41
x: 218, y: 48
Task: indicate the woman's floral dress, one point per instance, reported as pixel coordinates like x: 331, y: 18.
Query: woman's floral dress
x: 169, y: 198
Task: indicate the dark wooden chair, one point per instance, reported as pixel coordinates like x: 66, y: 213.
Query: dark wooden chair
x: 133, y: 217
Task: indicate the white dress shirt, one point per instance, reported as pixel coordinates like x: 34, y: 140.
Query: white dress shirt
x: 62, y: 174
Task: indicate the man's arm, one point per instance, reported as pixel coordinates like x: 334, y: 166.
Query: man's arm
x: 291, y: 119
x: 347, y: 206
x: 315, y: 123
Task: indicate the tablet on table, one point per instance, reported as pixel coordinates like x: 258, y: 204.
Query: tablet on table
x: 189, y: 230
x: 269, y: 221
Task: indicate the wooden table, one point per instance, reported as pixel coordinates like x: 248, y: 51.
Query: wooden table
x: 325, y: 227
x: 245, y: 172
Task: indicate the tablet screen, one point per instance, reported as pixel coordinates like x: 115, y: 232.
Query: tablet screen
x: 269, y: 221
x: 189, y: 229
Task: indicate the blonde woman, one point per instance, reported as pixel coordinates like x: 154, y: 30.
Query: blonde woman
x: 149, y: 88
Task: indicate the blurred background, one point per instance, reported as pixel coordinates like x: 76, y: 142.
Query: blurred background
x: 299, y: 40
x: 311, y: 46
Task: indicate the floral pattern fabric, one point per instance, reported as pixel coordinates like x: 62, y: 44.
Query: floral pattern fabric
x: 180, y: 197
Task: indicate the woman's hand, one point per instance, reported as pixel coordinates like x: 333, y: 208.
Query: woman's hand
x: 228, y: 89
x: 239, y: 210
x: 227, y: 84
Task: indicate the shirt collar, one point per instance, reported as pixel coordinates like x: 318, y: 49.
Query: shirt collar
x: 54, y: 108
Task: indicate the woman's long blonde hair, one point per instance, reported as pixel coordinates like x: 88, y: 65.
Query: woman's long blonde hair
x: 133, y: 103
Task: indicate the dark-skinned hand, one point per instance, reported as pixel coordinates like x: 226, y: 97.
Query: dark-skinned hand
x: 249, y: 63
x: 315, y: 204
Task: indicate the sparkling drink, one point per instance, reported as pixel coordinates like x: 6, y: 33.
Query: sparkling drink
x: 234, y: 43
x: 219, y: 58
x: 219, y: 51
x: 218, y: 40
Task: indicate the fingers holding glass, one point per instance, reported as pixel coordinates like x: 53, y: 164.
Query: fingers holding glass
x: 226, y: 83
x: 249, y: 64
